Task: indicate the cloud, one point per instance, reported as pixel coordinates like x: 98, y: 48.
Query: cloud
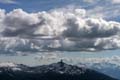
x: 19, y: 45
x: 59, y: 29
x: 48, y: 56
x: 46, y: 23
x: 109, y: 1
x: 52, y: 57
x: 8, y: 1
x: 116, y: 1
x: 112, y: 59
x: 103, y: 12
x: 90, y: 1
x: 103, y: 8
x: 104, y: 61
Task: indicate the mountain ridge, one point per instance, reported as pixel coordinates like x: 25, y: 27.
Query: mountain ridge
x: 54, y: 71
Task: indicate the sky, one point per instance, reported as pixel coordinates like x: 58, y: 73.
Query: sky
x: 84, y: 28
x: 103, y: 8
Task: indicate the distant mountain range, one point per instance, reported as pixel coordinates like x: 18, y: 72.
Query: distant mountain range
x: 55, y: 71
x: 107, y: 68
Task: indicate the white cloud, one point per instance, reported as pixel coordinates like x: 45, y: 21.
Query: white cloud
x: 89, y: 1
x: 96, y: 1
x: 2, y: 16
x: 109, y: 12
x: 116, y: 1
x: 95, y: 60
x: 8, y: 1
x: 48, y: 56
x: 48, y: 24
x: 71, y: 31
x: 107, y: 60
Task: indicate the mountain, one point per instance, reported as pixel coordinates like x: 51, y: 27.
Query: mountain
x: 110, y: 69
x: 55, y: 71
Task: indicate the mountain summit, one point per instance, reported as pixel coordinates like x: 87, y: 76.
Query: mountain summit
x: 55, y: 71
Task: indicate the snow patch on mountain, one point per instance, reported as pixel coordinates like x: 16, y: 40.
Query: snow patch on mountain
x: 8, y: 64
